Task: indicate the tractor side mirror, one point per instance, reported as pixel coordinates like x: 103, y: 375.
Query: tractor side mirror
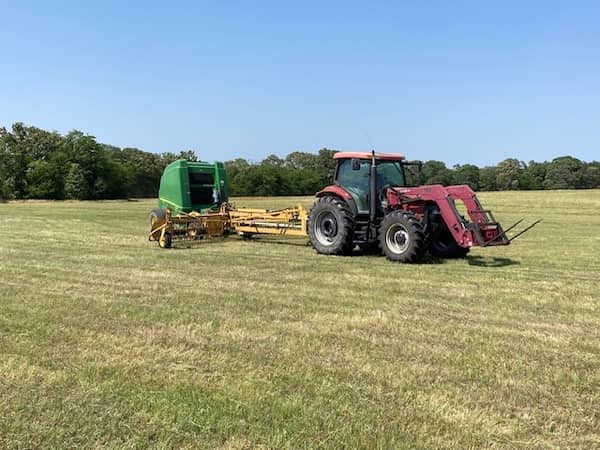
x: 355, y: 164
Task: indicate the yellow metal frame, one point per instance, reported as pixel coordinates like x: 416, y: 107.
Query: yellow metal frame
x: 288, y: 221
x: 245, y: 222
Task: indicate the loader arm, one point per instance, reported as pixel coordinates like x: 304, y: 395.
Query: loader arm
x: 479, y: 229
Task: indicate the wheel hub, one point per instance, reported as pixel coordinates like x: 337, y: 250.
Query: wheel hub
x: 327, y: 228
x: 397, y: 238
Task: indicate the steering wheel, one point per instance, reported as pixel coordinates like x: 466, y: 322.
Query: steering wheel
x: 383, y: 192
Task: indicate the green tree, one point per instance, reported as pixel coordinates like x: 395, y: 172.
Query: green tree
x: 591, y: 175
x: 532, y: 176
x: 325, y: 168
x: 508, y: 173
x: 45, y: 180
x: 116, y: 174
x: 436, y: 172
x: 6, y: 181
x: 487, y: 178
x: 188, y: 155
x: 76, y: 186
x: 302, y: 182
x: 466, y: 174
x: 145, y: 171
x: 263, y: 180
x: 273, y: 160
x: 564, y: 172
x: 302, y: 161
x: 237, y: 170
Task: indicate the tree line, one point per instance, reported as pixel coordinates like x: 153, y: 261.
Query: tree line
x: 39, y: 164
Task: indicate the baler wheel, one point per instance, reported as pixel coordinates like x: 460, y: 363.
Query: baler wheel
x: 330, y: 226
x: 401, y: 237
x: 157, y: 218
x: 165, y: 241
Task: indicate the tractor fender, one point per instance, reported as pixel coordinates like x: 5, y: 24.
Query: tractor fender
x: 338, y: 191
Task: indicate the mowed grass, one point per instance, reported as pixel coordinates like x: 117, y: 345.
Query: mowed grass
x: 108, y: 341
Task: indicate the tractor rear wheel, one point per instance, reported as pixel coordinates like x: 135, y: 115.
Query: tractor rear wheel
x: 444, y: 246
x: 330, y: 226
x: 401, y: 237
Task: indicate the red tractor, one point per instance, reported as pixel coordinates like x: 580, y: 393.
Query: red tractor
x: 370, y: 205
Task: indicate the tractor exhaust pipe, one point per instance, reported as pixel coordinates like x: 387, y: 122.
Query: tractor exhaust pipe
x: 373, y: 189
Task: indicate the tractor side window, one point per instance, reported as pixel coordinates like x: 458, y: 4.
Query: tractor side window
x: 358, y: 179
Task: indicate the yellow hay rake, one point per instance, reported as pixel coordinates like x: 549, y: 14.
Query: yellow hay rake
x: 165, y: 228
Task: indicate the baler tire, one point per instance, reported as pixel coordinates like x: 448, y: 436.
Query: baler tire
x: 401, y: 237
x: 166, y: 242
x: 446, y: 247
x: 331, y: 226
x: 156, y: 216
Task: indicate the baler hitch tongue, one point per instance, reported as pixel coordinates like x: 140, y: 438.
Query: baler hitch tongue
x: 505, y: 239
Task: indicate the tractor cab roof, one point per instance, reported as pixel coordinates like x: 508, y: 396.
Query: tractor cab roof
x: 367, y: 155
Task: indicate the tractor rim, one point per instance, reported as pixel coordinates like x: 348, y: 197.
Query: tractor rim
x: 326, y: 228
x: 397, y: 238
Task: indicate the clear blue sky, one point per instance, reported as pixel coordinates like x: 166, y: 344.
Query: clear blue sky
x: 462, y: 82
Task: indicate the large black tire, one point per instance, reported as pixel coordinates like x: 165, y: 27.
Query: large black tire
x: 401, y: 237
x: 331, y: 226
x: 444, y: 246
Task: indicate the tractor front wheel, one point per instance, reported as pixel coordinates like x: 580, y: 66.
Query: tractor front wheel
x: 444, y: 246
x: 330, y: 226
x: 401, y: 237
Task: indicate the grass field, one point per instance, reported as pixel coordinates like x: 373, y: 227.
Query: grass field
x: 108, y: 341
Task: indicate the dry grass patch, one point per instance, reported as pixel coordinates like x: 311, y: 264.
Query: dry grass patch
x: 108, y: 342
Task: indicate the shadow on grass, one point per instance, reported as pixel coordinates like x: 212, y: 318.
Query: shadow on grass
x: 276, y: 240
x: 376, y: 253
x: 482, y: 261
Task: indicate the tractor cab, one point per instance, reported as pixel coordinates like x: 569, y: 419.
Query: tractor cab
x: 353, y: 173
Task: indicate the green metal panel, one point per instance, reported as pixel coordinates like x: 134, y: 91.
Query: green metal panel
x: 187, y: 186
x: 221, y: 181
x: 174, y: 188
